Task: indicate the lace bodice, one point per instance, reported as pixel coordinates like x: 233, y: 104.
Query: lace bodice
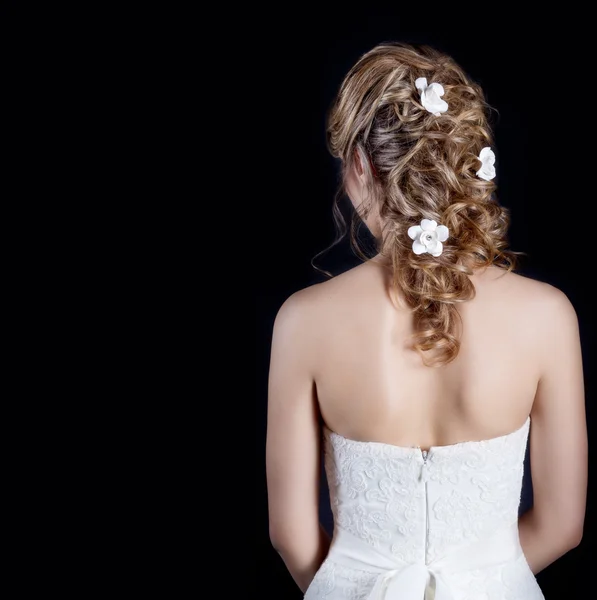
x: 401, y: 506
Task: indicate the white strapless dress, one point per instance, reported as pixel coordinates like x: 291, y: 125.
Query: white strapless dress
x: 411, y: 525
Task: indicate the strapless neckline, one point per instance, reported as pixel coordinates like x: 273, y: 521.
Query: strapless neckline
x: 418, y: 449
x: 410, y: 523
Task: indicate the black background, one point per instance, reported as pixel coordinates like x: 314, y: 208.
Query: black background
x: 535, y: 73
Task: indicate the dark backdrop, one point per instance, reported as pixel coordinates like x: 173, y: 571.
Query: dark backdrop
x: 534, y: 74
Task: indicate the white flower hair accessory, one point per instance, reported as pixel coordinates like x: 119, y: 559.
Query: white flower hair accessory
x: 487, y: 158
x: 428, y: 237
x: 430, y: 96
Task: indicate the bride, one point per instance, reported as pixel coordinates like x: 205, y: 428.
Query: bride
x: 429, y: 366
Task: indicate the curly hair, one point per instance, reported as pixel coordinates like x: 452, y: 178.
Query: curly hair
x: 418, y: 165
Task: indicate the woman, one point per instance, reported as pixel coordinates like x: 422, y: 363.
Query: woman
x: 430, y: 365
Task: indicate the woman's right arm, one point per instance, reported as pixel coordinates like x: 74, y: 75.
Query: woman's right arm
x: 558, y: 440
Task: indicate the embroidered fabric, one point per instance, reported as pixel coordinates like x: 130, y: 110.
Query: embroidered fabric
x: 413, y: 526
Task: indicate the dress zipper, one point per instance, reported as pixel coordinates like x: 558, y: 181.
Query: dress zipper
x: 425, y: 453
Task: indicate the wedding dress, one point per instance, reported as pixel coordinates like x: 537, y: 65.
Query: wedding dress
x: 417, y: 525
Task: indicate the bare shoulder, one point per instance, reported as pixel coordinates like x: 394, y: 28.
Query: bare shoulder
x: 300, y: 312
x: 312, y: 307
x: 541, y: 303
x: 297, y: 308
x: 312, y: 298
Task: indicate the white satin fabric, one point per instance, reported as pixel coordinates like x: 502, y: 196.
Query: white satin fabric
x: 417, y: 581
x: 440, y: 528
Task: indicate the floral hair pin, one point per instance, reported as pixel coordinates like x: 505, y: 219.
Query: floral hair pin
x: 430, y: 96
x: 487, y: 170
x: 428, y: 237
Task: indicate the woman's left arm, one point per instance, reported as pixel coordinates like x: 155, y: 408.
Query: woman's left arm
x: 293, y: 446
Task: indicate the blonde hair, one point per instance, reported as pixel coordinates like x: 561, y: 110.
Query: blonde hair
x: 422, y: 166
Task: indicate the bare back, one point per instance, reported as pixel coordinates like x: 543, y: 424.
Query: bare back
x: 341, y: 350
x: 372, y: 387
